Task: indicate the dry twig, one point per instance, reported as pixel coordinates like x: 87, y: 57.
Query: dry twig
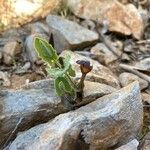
x: 130, y: 69
x: 12, y: 133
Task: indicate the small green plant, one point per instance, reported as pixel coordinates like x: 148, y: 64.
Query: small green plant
x: 65, y: 11
x: 61, y: 70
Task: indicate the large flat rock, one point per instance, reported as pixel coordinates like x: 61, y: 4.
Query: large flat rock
x: 36, y: 103
x: 110, y: 120
x: 70, y: 35
x: 23, y: 11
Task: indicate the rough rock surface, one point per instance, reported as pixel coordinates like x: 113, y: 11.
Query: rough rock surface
x: 146, y: 144
x: 127, y: 78
x: 110, y: 120
x: 132, y: 145
x: 146, y: 97
x: 23, y: 11
x: 70, y: 35
x: 102, y: 52
x: 11, y: 49
x: 143, y: 64
x: 36, y: 103
x: 99, y: 72
x: 39, y: 27
x: 124, y: 19
x: 5, y: 78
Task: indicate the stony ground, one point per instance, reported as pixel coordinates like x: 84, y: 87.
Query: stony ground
x: 117, y: 43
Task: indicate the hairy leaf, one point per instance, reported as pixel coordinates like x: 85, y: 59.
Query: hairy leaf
x: 71, y: 72
x: 67, y: 66
x: 56, y: 72
x: 62, y: 85
x: 45, y: 50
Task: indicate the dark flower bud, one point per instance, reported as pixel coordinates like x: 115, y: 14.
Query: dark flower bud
x: 84, y: 66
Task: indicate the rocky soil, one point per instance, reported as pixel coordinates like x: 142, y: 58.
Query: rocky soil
x: 115, y: 113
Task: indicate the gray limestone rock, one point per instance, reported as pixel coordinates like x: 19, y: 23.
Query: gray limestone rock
x: 127, y: 78
x: 100, y: 50
x: 110, y: 120
x: 132, y: 145
x: 36, y: 103
x: 70, y: 35
x: 146, y: 142
x: 10, y: 50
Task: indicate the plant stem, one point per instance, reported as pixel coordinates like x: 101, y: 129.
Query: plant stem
x: 80, y: 87
x: 75, y: 86
x: 81, y: 83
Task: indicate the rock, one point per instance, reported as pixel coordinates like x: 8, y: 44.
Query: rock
x: 95, y: 89
x: 130, y: 21
x: 100, y: 50
x: 4, y: 41
x: 143, y: 65
x: 23, y: 69
x: 24, y: 11
x: 143, y: 46
x: 39, y: 27
x: 16, y: 33
x: 85, y: 53
x: 5, y: 78
x: 128, y: 46
x: 89, y: 24
x: 125, y: 57
x: 26, y: 66
x: 36, y: 103
x: 69, y: 35
x: 146, y: 144
x: 148, y: 91
x: 10, y: 33
x: 10, y: 50
x: 127, y: 78
x: 110, y: 120
x: 124, y: 19
x: 144, y: 14
x: 132, y: 145
x: 99, y: 72
x: 31, y: 53
x: 146, y: 98
x: 118, y: 46
x: 146, y: 33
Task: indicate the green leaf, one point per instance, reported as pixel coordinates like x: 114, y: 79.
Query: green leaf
x: 58, y: 67
x: 67, y: 60
x: 62, y: 86
x: 71, y: 72
x: 58, y: 89
x: 45, y: 50
x: 56, y: 72
x: 68, y: 67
